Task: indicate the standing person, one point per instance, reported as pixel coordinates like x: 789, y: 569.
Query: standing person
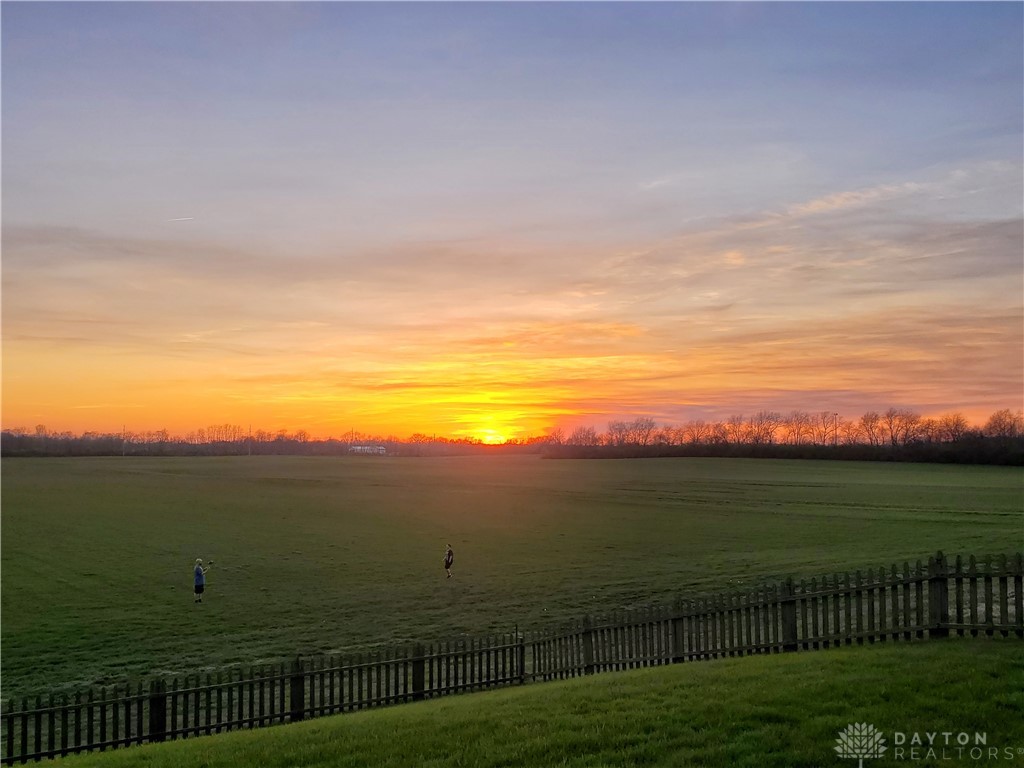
x: 449, y: 558
x: 200, y: 580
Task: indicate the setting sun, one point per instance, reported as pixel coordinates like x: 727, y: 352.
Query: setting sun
x: 494, y: 434
x: 491, y: 437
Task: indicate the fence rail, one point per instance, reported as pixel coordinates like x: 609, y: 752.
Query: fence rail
x: 901, y: 604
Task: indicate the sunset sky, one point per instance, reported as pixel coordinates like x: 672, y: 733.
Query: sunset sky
x: 488, y: 220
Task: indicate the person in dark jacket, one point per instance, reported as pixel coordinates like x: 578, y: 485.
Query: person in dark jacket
x: 199, y: 574
x: 449, y: 558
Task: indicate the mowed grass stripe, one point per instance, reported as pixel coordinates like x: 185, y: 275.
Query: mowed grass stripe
x: 323, y: 554
x: 763, y: 711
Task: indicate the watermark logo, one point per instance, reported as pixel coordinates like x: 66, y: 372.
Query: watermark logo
x: 860, y: 741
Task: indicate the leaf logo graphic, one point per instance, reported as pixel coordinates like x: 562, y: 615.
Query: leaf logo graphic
x: 860, y: 741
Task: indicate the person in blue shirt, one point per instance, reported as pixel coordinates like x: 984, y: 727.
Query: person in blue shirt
x: 200, y: 580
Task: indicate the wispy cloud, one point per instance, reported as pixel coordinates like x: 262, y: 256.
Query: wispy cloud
x: 699, y: 320
x: 841, y: 200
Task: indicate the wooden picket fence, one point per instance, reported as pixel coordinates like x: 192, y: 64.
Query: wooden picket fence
x: 908, y: 603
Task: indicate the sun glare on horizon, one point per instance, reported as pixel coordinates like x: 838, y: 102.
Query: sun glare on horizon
x: 488, y: 436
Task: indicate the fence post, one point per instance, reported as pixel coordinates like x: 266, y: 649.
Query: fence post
x: 1018, y: 593
x: 678, y: 632
x: 938, y: 597
x: 418, y: 672
x: 11, y: 750
x: 157, y: 711
x: 588, y: 647
x: 521, y: 655
x: 787, y: 602
x: 298, y: 691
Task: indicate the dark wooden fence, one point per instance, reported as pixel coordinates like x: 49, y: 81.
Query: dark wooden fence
x: 908, y: 603
x: 197, y: 705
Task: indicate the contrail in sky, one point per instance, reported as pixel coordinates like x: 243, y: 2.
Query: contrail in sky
x: 183, y: 218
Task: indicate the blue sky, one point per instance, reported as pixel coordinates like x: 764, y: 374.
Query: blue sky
x: 696, y: 176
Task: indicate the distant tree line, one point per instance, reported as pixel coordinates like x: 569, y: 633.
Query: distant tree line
x: 895, y: 435
x: 232, y: 440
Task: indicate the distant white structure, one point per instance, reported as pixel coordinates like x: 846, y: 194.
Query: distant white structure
x: 375, y: 450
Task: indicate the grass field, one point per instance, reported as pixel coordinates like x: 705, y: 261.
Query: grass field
x: 331, y: 554
x: 761, y: 712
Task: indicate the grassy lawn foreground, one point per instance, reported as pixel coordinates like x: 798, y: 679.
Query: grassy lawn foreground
x: 783, y: 711
x: 332, y: 555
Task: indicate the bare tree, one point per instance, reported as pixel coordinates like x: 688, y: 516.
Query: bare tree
x: 719, y: 433
x: 763, y: 427
x: 928, y: 430
x: 911, y: 426
x: 851, y: 432
x: 641, y: 430
x: 735, y: 430
x: 823, y: 427
x: 667, y: 435
x: 798, y: 427
x: 891, y: 423
x: 952, y: 427
x: 696, y: 431
x: 901, y: 426
x: 618, y: 433
x: 584, y: 436
x: 1004, y: 423
x: 871, y: 426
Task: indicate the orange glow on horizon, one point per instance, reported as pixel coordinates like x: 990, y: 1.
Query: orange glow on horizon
x: 500, y: 381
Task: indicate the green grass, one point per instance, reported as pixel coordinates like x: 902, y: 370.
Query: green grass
x: 326, y: 554
x: 762, y: 712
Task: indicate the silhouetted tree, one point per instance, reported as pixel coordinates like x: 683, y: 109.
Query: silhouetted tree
x: 952, y: 427
x: 799, y: 427
x: 871, y: 427
x: 584, y: 436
